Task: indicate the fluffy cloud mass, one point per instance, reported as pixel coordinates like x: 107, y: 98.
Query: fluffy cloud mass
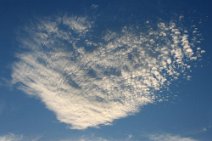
x: 89, y: 80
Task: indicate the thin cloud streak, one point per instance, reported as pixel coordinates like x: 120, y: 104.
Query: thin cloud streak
x: 11, y: 137
x: 170, y: 137
x: 88, y: 83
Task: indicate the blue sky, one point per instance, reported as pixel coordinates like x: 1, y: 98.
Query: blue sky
x: 105, y: 70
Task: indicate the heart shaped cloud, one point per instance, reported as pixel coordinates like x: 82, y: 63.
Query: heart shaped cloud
x: 89, y: 80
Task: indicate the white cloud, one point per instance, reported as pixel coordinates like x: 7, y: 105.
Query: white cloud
x: 11, y: 137
x: 170, y: 137
x: 87, y: 83
x: 78, y: 24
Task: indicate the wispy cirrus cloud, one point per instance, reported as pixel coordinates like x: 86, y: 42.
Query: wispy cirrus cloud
x: 86, y: 139
x: 11, y: 137
x: 15, y: 137
x: 169, y: 137
x: 89, y: 82
x: 151, y: 137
